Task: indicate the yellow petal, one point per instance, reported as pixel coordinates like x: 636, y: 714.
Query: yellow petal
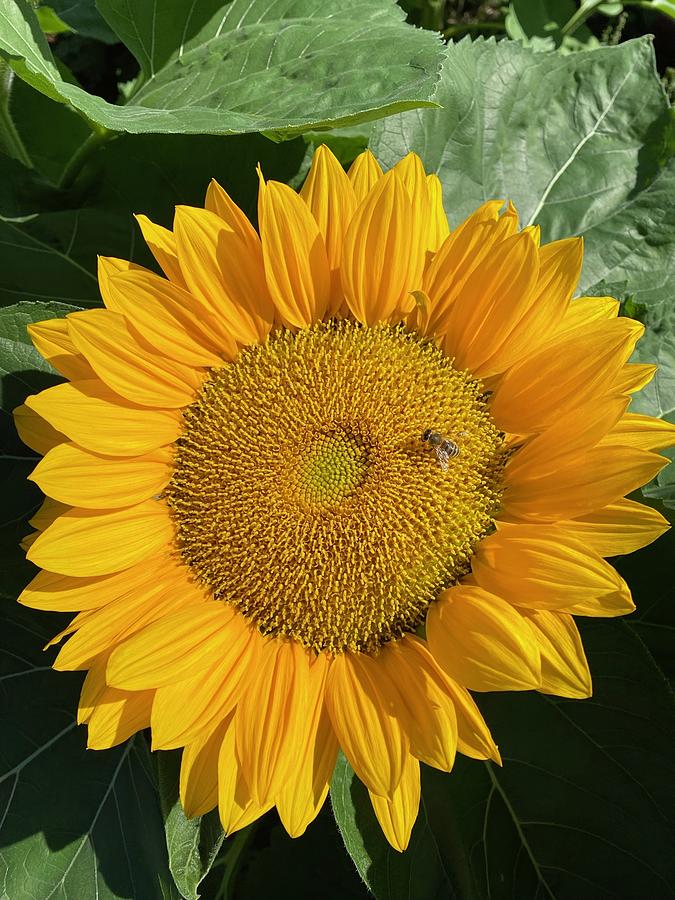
x: 94, y: 417
x: 169, y: 318
x: 296, y: 263
x: 34, y: 431
x: 621, y: 527
x: 48, y: 512
x: 63, y: 593
x: 410, y: 170
x: 78, y: 478
x: 359, y: 701
x: 303, y: 793
x: 270, y: 718
x: 93, y: 687
x: 559, y: 270
x: 330, y: 196
x: 642, y: 432
x: 458, y: 256
x: 186, y: 707
x: 133, y: 372
x: 564, y: 669
x: 118, y: 715
x: 397, y: 814
x: 364, y: 173
x: 223, y: 271
x: 463, y: 251
x: 218, y: 201
x: 250, y: 284
x: 108, y: 267
x: 199, y: 772
x: 52, y: 339
x: 98, y: 631
x: 162, y: 244
x: 481, y: 641
x: 383, y: 253
x: 438, y: 226
x: 633, y: 377
x: 491, y: 304
x: 544, y: 567
x: 570, y: 436
x: 584, y: 311
x: 473, y: 735
x: 173, y: 648
x: 236, y: 806
x: 583, y: 365
x: 426, y: 711
x: 588, y: 482
x: 87, y: 542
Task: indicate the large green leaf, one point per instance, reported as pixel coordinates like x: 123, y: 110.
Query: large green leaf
x: 74, y: 823
x: 582, y: 808
x: 582, y: 144
x: 578, y: 142
x: 219, y: 67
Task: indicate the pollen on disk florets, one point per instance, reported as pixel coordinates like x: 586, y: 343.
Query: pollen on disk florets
x: 303, y: 494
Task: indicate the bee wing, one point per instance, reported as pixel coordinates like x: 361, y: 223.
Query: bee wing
x: 443, y: 458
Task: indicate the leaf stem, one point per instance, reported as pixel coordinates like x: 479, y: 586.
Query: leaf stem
x: 10, y: 139
x: 433, y: 15
x: 577, y: 20
x: 233, y: 859
x: 77, y: 161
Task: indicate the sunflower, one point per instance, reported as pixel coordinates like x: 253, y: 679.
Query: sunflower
x: 320, y: 481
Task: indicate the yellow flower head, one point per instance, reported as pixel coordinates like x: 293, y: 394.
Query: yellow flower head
x: 317, y: 483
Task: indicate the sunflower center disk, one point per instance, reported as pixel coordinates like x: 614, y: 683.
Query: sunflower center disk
x: 303, y: 493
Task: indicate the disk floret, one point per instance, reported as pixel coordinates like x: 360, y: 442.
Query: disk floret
x: 304, y: 495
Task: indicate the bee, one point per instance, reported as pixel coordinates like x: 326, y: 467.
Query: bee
x: 444, y: 449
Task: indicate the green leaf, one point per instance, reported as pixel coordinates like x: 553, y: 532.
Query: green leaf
x: 84, y: 18
x: 148, y: 174
x: 419, y: 873
x: 244, y: 65
x: 193, y: 844
x: 309, y: 867
x: 580, y: 143
x: 51, y: 132
x: 650, y: 575
x: 583, y: 806
x: 22, y: 370
x: 75, y: 823
x: 52, y: 254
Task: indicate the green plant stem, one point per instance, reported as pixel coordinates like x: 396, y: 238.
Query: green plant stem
x: 580, y: 16
x: 233, y: 859
x: 10, y: 139
x: 433, y: 15
x: 467, y: 27
x: 79, y: 158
